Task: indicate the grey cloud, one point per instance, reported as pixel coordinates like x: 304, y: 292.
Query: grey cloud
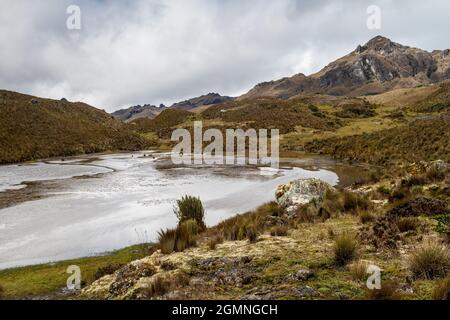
x: 131, y: 52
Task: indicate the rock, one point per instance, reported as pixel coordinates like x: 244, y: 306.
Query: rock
x: 306, y: 291
x: 300, y: 192
x: 303, y: 275
x: 438, y: 165
x: 34, y: 101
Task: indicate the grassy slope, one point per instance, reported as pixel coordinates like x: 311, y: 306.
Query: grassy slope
x: 48, y: 279
x: 34, y: 128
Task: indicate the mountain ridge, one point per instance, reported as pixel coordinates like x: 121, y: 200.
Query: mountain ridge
x: 376, y: 67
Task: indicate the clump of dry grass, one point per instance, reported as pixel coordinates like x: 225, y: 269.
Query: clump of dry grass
x: 358, y: 270
x: 162, y: 285
x: 430, y: 261
x: 214, y: 241
x: 442, y: 290
x: 167, y: 240
x: 252, y: 234
x: 345, y: 248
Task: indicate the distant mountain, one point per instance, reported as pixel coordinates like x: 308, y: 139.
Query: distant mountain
x: 136, y: 112
x: 376, y: 67
x: 35, y: 128
x: 205, y: 100
x: 150, y: 111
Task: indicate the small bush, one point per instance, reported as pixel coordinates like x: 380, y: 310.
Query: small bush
x: 167, y: 240
x: 214, y: 241
x: 110, y: 268
x: 279, y: 231
x: 190, y: 208
x: 430, y: 261
x: 344, y: 249
x: 358, y: 271
x: 442, y: 290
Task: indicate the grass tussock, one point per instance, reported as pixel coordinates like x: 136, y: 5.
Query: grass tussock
x: 345, y: 249
x: 214, y: 241
x: 430, y: 261
x: 358, y: 271
x: 442, y: 290
x: 162, y: 285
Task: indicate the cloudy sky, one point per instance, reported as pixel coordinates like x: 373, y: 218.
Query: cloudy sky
x: 155, y: 51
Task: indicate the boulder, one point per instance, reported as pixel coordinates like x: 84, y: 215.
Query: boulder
x: 300, y: 192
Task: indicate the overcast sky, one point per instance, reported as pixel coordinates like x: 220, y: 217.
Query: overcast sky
x: 150, y: 51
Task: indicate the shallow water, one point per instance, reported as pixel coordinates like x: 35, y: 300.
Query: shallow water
x: 125, y: 201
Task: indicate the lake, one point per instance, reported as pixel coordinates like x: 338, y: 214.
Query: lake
x: 88, y: 205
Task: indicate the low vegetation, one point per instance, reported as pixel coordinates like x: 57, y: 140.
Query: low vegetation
x: 33, y: 128
x: 345, y: 247
x: 430, y: 261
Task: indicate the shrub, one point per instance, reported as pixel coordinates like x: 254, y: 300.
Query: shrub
x: 167, y: 240
x: 214, y: 241
x: 110, y: 268
x: 279, y: 231
x: 344, y: 249
x: 190, y: 208
x: 388, y: 291
x: 442, y: 290
x: 430, y: 261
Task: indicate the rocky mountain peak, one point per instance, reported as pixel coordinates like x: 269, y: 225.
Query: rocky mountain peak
x: 379, y: 44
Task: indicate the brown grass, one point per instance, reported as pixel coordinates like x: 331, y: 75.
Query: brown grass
x: 345, y: 248
x: 430, y: 261
x: 442, y: 290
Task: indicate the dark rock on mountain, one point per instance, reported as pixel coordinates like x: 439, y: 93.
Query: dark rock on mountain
x: 205, y: 100
x: 376, y: 67
x: 136, y: 112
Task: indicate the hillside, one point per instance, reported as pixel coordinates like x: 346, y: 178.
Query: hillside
x: 376, y: 67
x: 425, y: 139
x: 34, y: 128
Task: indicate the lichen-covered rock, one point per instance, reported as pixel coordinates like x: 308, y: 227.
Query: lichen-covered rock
x: 300, y: 192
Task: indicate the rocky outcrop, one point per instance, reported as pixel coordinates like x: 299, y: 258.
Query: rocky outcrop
x: 300, y: 192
